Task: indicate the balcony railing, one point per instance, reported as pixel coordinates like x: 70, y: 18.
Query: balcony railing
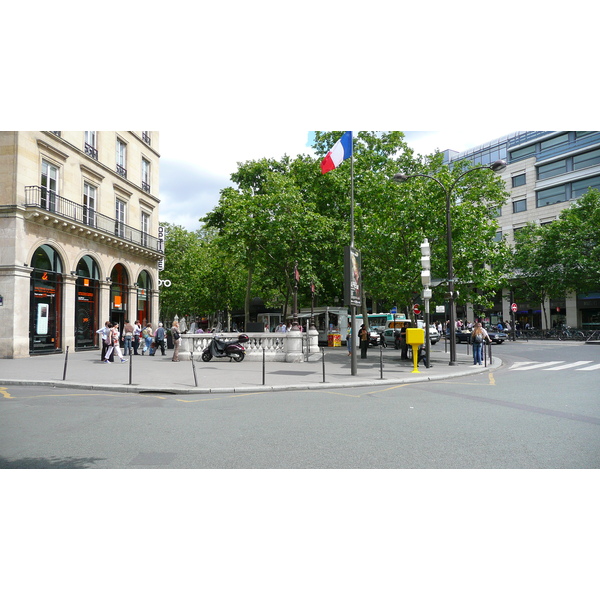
x: 45, y: 199
x: 122, y: 171
x: 91, y: 151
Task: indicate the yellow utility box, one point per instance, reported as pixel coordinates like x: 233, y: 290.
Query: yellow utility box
x: 415, y: 336
x: 334, y: 340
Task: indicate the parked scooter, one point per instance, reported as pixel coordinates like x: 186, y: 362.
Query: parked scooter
x: 226, y: 349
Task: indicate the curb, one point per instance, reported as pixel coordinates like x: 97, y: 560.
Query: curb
x: 421, y: 377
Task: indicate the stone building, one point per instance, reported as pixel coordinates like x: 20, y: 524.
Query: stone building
x: 79, y: 236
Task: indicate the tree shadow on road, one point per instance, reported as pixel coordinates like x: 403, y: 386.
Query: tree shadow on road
x: 68, y: 462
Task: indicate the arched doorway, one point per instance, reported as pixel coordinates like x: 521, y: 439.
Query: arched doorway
x: 119, y: 287
x: 144, y: 285
x: 86, y: 303
x: 45, y: 304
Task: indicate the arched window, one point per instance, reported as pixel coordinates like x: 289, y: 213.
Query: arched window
x: 144, y: 284
x: 45, y: 316
x: 87, y: 292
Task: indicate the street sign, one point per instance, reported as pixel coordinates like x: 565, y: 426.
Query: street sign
x: 416, y: 309
x: 513, y: 307
x: 393, y: 310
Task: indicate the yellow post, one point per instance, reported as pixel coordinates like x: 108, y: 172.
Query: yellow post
x: 415, y: 336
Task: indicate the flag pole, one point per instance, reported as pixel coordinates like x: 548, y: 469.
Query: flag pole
x: 353, y: 356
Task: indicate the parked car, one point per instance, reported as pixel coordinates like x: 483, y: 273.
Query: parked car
x: 497, y: 337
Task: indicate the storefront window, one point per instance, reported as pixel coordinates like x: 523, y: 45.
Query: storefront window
x: 86, y: 303
x: 45, y: 318
x: 143, y: 297
x: 118, y: 294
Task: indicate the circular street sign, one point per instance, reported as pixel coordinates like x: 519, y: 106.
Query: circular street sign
x: 416, y: 309
x: 513, y: 307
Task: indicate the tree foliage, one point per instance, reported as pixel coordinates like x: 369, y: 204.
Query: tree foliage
x: 560, y: 257
x: 284, y: 211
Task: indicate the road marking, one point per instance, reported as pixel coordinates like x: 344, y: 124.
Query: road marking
x: 492, y: 380
x: 5, y: 393
x: 535, y: 365
x: 569, y: 365
x: 591, y: 368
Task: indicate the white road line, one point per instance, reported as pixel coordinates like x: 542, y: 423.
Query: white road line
x: 569, y: 365
x: 591, y: 368
x: 539, y: 365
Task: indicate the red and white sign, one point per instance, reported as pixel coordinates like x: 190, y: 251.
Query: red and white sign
x: 416, y: 309
x: 513, y: 307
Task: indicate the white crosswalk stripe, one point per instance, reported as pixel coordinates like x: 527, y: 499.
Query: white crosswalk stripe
x: 554, y: 365
x: 590, y: 368
x: 531, y: 366
x: 570, y: 365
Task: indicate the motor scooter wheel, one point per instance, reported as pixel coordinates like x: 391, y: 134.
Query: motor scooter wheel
x: 206, y: 356
x: 238, y: 356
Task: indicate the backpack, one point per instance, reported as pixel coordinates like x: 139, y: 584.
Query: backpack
x: 160, y: 334
x: 478, y: 338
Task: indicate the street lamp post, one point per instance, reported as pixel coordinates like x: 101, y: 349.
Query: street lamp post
x: 497, y: 167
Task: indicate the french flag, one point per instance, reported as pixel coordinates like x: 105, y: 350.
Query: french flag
x: 340, y: 151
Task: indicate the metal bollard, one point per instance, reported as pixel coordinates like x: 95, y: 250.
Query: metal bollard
x: 66, y: 361
x: 130, y: 366
x: 381, y: 362
x: 323, y: 361
x: 194, y: 368
x: 264, y: 364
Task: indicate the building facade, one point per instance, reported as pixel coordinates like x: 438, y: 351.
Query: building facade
x: 546, y: 171
x: 79, y: 236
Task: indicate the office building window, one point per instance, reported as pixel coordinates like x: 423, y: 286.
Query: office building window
x: 581, y: 187
x: 498, y: 236
x: 552, y: 169
x: 518, y: 180
x: 89, y: 205
x: 145, y: 175
x: 146, y: 137
x: 587, y: 159
x: 90, y: 144
x: 555, y: 141
x: 523, y: 152
x: 121, y: 158
x: 552, y: 195
x: 520, y: 205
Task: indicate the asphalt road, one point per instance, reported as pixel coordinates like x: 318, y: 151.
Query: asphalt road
x: 540, y: 410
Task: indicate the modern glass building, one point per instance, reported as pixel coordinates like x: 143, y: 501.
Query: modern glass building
x: 546, y: 171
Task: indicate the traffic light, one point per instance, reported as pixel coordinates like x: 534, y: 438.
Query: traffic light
x: 425, y: 263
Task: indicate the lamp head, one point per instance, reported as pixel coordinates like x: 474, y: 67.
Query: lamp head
x: 498, y: 166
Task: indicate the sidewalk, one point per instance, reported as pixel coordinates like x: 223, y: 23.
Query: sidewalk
x: 159, y: 374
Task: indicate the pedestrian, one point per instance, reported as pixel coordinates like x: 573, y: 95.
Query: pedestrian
x: 137, y: 332
x: 499, y: 326
x: 104, y: 332
x: 478, y: 336
x: 114, y: 346
x: 403, y: 344
x: 159, y: 338
x: 147, y: 337
x: 363, y: 336
x: 176, y: 341
x: 349, y: 341
x: 127, y: 338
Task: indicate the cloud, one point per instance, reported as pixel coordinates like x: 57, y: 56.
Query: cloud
x: 196, y: 165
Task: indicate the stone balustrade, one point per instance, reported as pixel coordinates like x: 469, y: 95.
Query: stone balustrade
x: 292, y: 346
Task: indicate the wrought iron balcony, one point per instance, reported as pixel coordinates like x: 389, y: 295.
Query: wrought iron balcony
x: 91, y: 151
x: 47, y: 200
x: 122, y: 171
